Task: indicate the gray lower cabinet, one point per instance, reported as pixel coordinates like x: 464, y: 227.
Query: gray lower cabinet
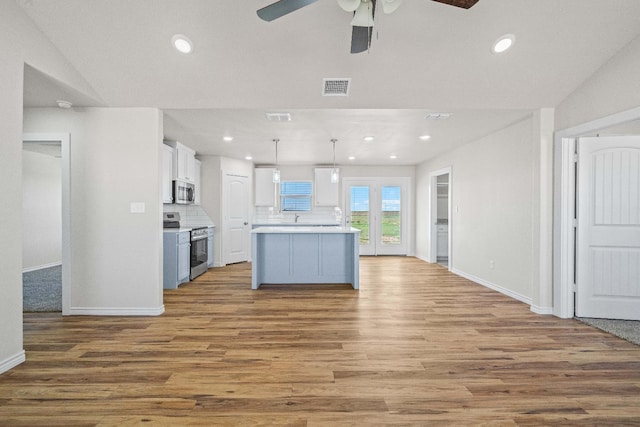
x: 305, y: 255
x: 177, y: 258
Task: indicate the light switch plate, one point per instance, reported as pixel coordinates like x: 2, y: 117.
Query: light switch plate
x: 137, y: 207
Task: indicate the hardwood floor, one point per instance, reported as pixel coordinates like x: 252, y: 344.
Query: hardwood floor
x: 415, y: 346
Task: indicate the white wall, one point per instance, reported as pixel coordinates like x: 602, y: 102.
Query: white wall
x: 116, y: 159
x: 612, y: 89
x: 21, y: 42
x: 493, y: 206
x: 41, y: 210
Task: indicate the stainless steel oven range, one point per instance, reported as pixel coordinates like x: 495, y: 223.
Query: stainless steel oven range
x: 199, y: 251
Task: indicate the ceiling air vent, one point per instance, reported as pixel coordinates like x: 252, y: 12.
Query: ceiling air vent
x: 335, y: 87
x: 437, y: 116
x: 278, y: 117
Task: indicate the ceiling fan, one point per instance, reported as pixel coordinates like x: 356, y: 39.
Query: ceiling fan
x: 363, y: 14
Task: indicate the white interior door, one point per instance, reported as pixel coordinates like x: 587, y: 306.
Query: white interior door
x: 236, y: 231
x: 378, y: 208
x: 608, y: 250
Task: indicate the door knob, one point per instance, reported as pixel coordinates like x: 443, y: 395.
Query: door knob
x: 246, y: 223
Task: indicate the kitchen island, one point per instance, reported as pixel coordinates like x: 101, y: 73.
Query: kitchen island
x: 292, y: 255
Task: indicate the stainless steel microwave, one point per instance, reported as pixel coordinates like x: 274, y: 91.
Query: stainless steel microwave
x: 183, y: 193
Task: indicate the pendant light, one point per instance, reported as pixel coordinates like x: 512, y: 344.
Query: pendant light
x: 335, y: 172
x: 276, y: 171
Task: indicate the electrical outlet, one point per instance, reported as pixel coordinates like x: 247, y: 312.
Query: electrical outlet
x: 492, y: 264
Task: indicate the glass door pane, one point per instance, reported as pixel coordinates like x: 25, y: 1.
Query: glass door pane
x: 360, y: 214
x: 391, y: 219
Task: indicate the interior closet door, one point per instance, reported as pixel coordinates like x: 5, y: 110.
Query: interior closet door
x: 608, y: 235
x: 235, y: 229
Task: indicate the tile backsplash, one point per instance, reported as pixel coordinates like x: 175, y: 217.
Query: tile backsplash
x: 190, y: 215
x: 320, y: 215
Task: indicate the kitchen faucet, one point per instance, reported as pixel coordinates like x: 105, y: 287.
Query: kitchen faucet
x: 296, y: 219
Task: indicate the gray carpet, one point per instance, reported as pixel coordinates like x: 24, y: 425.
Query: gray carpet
x: 626, y: 329
x: 42, y: 289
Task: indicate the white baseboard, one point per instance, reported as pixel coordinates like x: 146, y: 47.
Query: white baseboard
x: 40, y: 267
x: 116, y: 311
x: 13, y: 361
x: 541, y: 310
x: 493, y: 286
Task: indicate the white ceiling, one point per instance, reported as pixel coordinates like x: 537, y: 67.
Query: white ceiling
x: 425, y: 57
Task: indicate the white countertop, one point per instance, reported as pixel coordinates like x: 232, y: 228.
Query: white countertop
x: 185, y: 228
x: 308, y: 230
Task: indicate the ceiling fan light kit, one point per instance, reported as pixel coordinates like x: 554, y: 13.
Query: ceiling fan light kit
x: 389, y: 6
x: 349, y: 5
x: 363, y: 15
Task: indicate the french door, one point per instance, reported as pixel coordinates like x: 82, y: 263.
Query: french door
x: 378, y: 208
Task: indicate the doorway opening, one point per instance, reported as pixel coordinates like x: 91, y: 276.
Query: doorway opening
x: 440, y: 218
x: 565, y: 202
x: 47, y: 224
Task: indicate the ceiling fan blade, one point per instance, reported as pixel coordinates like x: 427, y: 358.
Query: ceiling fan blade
x: 281, y: 8
x: 465, y: 4
x: 360, y: 39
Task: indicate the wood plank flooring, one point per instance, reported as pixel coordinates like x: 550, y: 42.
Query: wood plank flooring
x: 416, y: 345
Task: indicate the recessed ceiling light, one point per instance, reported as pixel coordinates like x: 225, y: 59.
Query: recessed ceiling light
x: 63, y: 104
x: 393, y: 156
x: 503, y: 43
x: 424, y: 137
x: 248, y: 158
x: 368, y: 138
x: 182, y: 43
x: 227, y: 138
x: 352, y: 158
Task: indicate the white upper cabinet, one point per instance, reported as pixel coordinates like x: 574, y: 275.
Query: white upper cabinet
x: 168, y: 173
x: 326, y: 191
x: 265, y: 189
x: 185, y: 162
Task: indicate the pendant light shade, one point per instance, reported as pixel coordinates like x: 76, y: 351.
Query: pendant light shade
x: 335, y: 175
x: 335, y: 172
x: 276, y: 171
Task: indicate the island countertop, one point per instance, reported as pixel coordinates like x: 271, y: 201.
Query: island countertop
x: 305, y: 230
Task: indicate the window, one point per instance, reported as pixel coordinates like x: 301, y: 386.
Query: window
x: 296, y: 196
